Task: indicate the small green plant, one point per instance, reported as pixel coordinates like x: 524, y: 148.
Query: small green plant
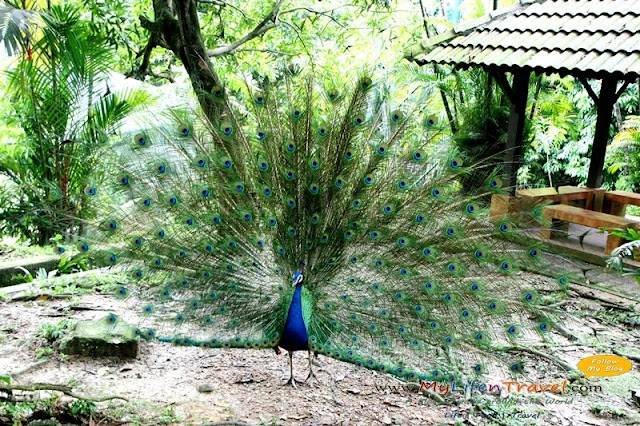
x: 42, y: 275
x: 615, y: 316
x: 606, y: 410
x: 69, y: 265
x: 44, y: 352
x: 22, y: 278
x: 142, y: 412
x: 169, y: 416
x: 53, y: 332
x: 82, y: 407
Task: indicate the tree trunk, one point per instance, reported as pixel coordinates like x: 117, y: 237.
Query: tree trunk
x: 177, y: 26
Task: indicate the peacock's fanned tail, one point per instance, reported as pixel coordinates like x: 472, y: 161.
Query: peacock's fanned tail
x: 403, y: 271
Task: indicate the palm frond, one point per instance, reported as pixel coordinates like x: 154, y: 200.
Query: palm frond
x: 17, y: 27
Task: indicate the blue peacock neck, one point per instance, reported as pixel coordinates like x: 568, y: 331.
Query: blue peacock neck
x: 294, y: 334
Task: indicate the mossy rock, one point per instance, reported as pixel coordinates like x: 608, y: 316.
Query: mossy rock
x: 44, y: 422
x: 100, y: 339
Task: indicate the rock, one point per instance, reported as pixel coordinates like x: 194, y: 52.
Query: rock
x: 98, y: 339
x: 41, y: 422
x: 204, y: 388
x: 10, y: 268
x: 386, y: 420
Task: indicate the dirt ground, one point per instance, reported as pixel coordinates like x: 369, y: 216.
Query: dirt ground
x: 187, y: 385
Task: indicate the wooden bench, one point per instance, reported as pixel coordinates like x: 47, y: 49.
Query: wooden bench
x: 615, y: 202
x: 562, y: 195
x: 587, y: 218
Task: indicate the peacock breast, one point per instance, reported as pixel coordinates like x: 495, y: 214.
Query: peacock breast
x: 294, y: 334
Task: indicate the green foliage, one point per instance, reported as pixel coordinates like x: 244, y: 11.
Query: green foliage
x: 628, y: 250
x: 564, y: 123
x: 23, y: 412
x: 65, y: 114
x: 56, y: 331
x: 82, y: 407
x: 19, y: 412
x: 555, y: 154
x: 143, y: 412
x: 117, y: 22
x: 22, y: 278
x: 17, y: 26
x: 624, y: 155
x: 43, y: 352
x: 607, y: 411
x: 481, y: 113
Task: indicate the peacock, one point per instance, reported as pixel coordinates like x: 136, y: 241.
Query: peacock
x: 315, y: 217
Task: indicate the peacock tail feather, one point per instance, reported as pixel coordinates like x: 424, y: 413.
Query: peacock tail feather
x: 403, y: 273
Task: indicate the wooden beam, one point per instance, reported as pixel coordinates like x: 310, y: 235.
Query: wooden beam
x: 606, y: 99
x: 589, y: 89
x: 515, y: 130
x: 622, y: 88
x: 502, y: 81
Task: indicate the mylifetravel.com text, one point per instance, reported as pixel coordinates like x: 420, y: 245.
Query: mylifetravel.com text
x: 478, y: 387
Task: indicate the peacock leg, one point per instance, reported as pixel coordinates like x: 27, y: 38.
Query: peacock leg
x: 291, y: 381
x: 311, y: 375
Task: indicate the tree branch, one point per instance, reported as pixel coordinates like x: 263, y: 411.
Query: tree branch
x: 326, y: 13
x: 269, y: 22
x: 272, y: 51
x: 155, y: 39
x: 51, y: 387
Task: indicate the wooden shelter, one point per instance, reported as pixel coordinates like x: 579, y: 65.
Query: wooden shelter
x: 588, y: 39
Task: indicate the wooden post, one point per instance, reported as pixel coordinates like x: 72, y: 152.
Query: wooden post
x: 605, y: 109
x: 517, y: 116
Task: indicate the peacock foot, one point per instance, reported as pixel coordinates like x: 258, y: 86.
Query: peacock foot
x: 291, y: 382
x: 311, y: 378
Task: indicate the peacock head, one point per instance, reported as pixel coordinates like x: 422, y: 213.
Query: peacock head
x: 297, y: 278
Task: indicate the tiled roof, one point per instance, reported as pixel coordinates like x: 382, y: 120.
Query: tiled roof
x: 579, y: 37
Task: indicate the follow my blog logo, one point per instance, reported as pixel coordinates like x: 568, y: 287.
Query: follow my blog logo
x: 604, y: 365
